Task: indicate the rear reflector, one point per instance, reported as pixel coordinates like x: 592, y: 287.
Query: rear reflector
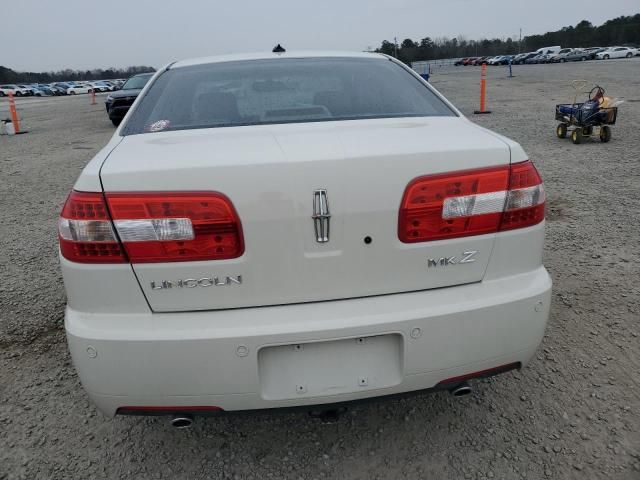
x: 149, y: 227
x: 179, y: 409
x: 489, y: 372
x: 471, y: 202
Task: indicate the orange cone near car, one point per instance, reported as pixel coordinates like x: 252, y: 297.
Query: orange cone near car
x: 483, y: 89
x: 14, y: 113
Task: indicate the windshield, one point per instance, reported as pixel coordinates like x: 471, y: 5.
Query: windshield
x: 137, y: 82
x: 258, y: 92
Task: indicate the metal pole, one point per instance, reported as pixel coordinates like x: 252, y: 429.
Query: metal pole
x: 520, y: 42
x: 395, y: 47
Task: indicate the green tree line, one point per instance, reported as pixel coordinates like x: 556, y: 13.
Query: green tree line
x: 10, y: 76
x: 623, y: 30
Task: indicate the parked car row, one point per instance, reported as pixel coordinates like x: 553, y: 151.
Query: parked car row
x: 60, y: 88
x: 554, y: 55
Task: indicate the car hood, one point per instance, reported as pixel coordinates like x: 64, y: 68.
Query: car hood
x: 132, y: 92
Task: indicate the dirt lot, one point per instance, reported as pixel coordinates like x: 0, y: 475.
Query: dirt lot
x: 574, y: 413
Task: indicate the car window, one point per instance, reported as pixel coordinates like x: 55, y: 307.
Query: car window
x: 282, y: 91
x: 137, y: 82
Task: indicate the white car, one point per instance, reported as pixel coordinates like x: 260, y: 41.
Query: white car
x: 16, y: 90
x: 99, y: 87
x: 298, y: 230
x: 75, y: 89
x: 616, y: 52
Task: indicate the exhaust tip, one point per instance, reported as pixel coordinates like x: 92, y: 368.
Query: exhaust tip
x: 460, y: 390
x: 181, y: 421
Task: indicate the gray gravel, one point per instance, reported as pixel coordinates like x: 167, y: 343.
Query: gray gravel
x: 574, y: 413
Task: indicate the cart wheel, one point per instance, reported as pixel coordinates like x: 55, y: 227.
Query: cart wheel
x: 561, y: 131
x: 605, y: 134
x: 587, y: 131
x: 576, y: 136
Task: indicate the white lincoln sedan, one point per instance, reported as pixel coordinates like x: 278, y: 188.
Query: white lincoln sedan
x: 298, y: 230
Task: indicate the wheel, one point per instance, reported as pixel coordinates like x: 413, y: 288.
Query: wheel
x: 1, y: 94
x: 562, y: 60
x: 561, y: 131
x: 116, y: 121
x: 18, y: 94
x: 73, y: 92
x: 629, y: 55
x: 605, y: 134
x: 576, y: 136
x: 606, y: 57
x: 583, y: 59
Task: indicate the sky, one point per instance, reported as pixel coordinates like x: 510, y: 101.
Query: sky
x: 52, y: 35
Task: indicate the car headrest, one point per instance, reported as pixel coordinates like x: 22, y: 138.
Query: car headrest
x: 217, y: 106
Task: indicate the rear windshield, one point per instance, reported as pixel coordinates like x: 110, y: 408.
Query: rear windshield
x: 259, y: 92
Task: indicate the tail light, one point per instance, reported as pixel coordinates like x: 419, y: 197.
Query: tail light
x: 471, y: 202
x: 85, y: 231
x: 149, y: 227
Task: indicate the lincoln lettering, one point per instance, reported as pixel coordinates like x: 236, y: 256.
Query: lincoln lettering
x: 197, y: 282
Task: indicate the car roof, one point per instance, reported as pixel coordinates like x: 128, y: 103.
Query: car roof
x: 270, y: 55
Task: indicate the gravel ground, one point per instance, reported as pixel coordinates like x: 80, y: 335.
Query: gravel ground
x: 573, y: 413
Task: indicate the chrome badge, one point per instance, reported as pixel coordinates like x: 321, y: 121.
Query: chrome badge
x: 466, y: 257
x: 197, y: 282
x: 321, y: 215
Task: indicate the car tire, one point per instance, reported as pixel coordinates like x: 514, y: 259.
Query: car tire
x: 629, y: 55
x: 583, y: 59
x: 606, y: 57
x: 1, y: 94
x: 18, y: 94
x: 562, y: 60
x: 116, y: 122
x: 72, y: 92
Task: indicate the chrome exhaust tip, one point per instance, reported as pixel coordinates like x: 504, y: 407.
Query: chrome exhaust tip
x: 460, y: 390
x: 181, y: 421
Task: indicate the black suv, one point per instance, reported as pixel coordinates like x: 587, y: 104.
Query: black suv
x: 118, y: 102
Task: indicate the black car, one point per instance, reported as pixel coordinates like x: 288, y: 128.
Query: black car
x: 118, y: 102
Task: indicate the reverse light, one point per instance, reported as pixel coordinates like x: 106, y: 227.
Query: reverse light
x: 471, y: 202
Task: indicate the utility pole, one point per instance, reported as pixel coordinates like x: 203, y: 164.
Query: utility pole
x: 395, y: 47
x: 520, y: 42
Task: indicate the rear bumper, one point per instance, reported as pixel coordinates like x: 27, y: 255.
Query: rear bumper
x: 218, y: 358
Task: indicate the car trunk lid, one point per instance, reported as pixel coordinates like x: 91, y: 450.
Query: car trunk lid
x: 272, y: 174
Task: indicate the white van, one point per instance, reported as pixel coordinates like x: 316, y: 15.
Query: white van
x: 549, y: 50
